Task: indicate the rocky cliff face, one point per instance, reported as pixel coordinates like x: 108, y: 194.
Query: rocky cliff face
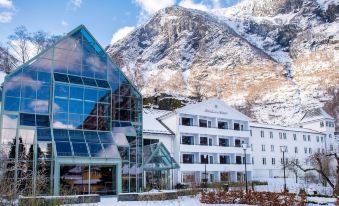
x: 271, y: 59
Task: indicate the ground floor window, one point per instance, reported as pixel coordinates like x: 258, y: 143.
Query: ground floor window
x: 88, y: 179
x: 188, y: 177
x: 224, y: 177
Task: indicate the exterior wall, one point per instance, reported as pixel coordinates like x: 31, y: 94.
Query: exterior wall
x: 331, y: 143
x: 213, y: 149
x: 268, y: 147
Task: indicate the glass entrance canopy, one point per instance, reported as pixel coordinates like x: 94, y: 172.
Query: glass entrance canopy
x: 157, y: 157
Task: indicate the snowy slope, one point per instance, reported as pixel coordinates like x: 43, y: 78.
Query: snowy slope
x: 271, y: 59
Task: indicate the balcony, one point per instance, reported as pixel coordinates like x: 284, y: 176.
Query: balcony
x: 212, y: 148
x: 214, y: 167
x: 213, y: 131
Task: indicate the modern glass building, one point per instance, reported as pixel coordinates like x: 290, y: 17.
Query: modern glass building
x: 71, y: 122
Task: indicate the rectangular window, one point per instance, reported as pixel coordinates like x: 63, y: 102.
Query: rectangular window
x: 317, y: 138
x: 273, y: 161
x: 295, y: 137
x: 202, y: 123
x: 284, y: 135
x: 310, y: 150
x: 224, y: 176
x: 309, y: 138
x: 238, y: 159
x: 236, y: 126
x: 304, y: 137
x: 280, y: 135
x: 188, y: 158
x: 271, y: 134
x: 264, y: 161
x: 222, y: 125
x: 262, y: 134
x: 204, y: 159
x: 203, y: 141
x: 272, y: 148
x: 263, y: 147
x: 224, y: 159
x: 187, y: 121
x: 305, y: 150
x: 189, y: 140
x: 224, y: 142
x: 237, y: 143
x: 295, y: 149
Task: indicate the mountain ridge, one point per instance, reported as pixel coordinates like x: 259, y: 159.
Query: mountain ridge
x: 186, y: 52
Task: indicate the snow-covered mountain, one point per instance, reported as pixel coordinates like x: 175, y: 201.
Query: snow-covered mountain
x: 272, y: 58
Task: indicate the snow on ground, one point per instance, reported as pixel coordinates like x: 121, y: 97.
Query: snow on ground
x: 184, y: 201
x: 277, y: 185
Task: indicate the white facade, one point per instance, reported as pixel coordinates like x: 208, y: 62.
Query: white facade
x: 266, y: 143
x: 217, y: 130
x: 211, y: 130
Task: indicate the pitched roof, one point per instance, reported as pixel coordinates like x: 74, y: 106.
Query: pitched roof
x: 278, y: 127
x: 218, y: 107
x: 315, y: 114
x: 151, y: 124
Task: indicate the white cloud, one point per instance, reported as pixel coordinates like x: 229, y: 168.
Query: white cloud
x: 121, y: 33
x: 216, y: 4
x: 64, y: 23
x: 191, y: 5
x: 6, y: 16
x: 7, y: 4
x: 152, y: 6
x: 76, y: 3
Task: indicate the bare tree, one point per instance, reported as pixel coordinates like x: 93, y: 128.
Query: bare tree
x: 321, y: 164
x: 41, y: 40
x: 7, y: 61
x: 19, y: 43
x: 290, y: 165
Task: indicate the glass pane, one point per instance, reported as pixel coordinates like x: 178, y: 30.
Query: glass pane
x: 90, y: 123
x: 102, y: 83
x: 44, y: 134
x: 75, y: 79
x: 29, y: 90
x: 91, y: 94
x: 44, y: 77
x: 104, y: 95
x: 107, y: 182
x: 91, y: 136
x: 60, y: 135
x: 96, y: 150
x: 42, y: 120
x: 27, y: 119
x: 8, y: 136
x: 106, y: 137
x: 89, y: 81
x: 90, y: 108
x: 75, y: 121
x: 63, y: 148
x: 61, y: 90
x: 76, y: 136
x: 12, y: 88
x: 27, y: 135
x: 120, y: 139
x: 12, y: 104
x: 103, y: 109
x: 104, y: 123
x: 9, y: 121
x: 60, y: 105
x: 74, y: 179
x: 43, y: 92
x: 76, y: 106
x: 61, y: 77
x: 111, y: 151
x: 40, y: 106
x: 76, y: 92
x: 80, y: 149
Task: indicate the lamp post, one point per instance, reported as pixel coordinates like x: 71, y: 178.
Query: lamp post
x: 244, y: 147
x: 283, y: 149
x: 205, y: 179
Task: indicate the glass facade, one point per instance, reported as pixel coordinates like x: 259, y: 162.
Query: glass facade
x: 70, y: 111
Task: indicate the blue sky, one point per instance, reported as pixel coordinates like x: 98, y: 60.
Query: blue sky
x: 102, y: 17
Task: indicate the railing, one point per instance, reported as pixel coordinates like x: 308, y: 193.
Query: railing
x: 232, y: 163
x: 195, y: 125
x: 218, y: 145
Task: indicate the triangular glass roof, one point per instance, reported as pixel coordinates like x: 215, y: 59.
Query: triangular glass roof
x: 77, y: 53
x: 157, y: 157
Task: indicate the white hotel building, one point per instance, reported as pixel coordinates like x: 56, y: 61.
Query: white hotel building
x: 212, y: 132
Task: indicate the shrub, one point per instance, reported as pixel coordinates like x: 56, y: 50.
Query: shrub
x: 251, y: 198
